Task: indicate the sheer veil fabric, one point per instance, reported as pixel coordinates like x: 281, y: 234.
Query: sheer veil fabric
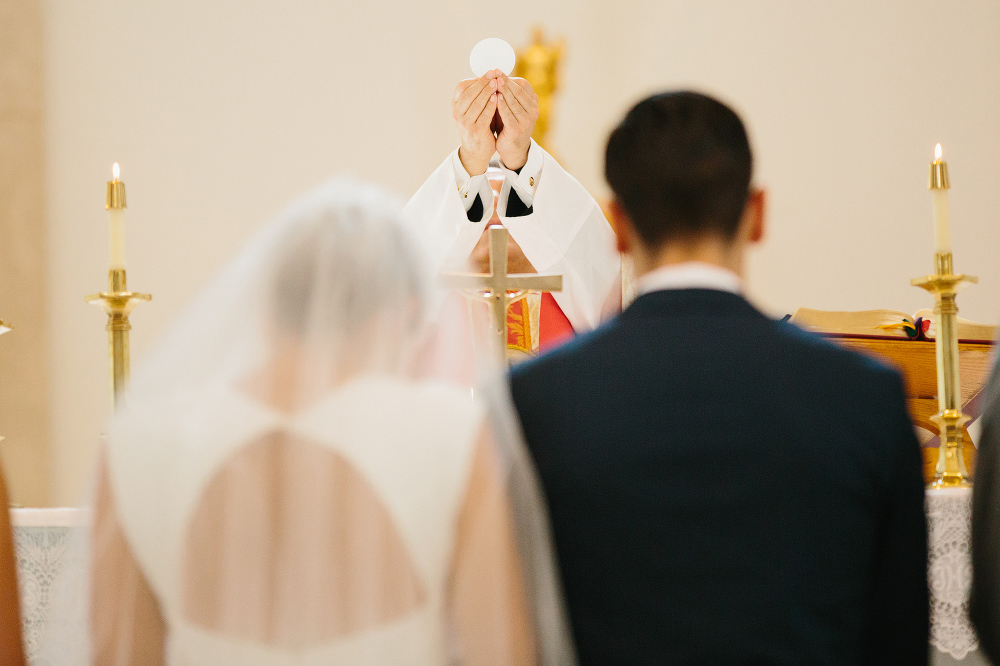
x: 300, y: 474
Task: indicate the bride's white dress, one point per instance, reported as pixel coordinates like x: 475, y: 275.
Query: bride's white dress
x: 411, y: 443
x: 385, y: 520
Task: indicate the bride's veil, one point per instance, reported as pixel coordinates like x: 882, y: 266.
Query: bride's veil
x: 334, y: 297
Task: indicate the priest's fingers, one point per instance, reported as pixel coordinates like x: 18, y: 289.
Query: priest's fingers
x: 523, y: 95
x: 480, y: 104
x: 523, y: 84
x: 465, y: 84
x: 506, y: 85
x: 466, y: 97
x: 462, y: 86
x: 485, y: 118
x: 507, y: 115
x: 464, y: 94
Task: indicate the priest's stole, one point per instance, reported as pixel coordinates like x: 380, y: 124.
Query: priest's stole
x: 535, y: 323
x: 916, y: 360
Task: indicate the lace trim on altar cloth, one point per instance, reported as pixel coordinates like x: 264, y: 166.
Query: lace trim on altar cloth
x: 949, y: 571
x: 41, y: 552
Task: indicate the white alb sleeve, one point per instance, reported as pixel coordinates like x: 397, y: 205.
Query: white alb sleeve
x: 524, y: 182
x: 470, y: 186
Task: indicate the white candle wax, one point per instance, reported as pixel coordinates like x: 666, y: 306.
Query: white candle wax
x: 117, y: 237
x: 942, y: 231
x: 939, y: 201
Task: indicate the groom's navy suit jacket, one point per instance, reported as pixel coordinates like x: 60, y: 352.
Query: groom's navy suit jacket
x: 728, y: 489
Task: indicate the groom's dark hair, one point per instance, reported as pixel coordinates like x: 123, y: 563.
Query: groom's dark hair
x: 679, y: 165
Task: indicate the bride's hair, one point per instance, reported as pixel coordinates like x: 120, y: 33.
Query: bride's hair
x: 345, y: 261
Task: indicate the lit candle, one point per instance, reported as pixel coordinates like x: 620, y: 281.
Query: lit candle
x: 115, y: 205
x: 939, y: 197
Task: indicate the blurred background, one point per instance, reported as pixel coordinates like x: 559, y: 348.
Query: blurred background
x: 220, y: 111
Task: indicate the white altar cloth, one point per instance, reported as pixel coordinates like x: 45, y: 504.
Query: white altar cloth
x: 41, y: 537
x: 949, y: 573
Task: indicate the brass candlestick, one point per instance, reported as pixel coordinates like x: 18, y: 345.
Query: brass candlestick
x: 118, y: 302
x: 944, y: 284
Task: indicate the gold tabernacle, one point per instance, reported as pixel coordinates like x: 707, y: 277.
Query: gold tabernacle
x: 539, y: 64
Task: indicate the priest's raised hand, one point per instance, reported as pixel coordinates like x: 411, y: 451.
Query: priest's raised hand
x: 517, y: 106
x: 473, y: 107
x: 495, y: 114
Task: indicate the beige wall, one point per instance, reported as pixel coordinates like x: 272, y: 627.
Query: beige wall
x: 221, y: 110
x: 23, y: 276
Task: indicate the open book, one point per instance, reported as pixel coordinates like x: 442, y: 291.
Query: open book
x: 887, y: 324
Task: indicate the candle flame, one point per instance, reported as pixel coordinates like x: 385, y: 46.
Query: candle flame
x: 116, y: 171
x: 937, y: 153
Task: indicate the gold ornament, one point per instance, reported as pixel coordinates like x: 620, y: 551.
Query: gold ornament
x: 539, y: 64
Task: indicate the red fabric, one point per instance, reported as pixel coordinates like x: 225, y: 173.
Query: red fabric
x: 519, y: 326
x: 553, y: 326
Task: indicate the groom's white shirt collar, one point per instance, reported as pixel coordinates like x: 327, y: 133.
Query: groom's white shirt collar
x: 690, y: 275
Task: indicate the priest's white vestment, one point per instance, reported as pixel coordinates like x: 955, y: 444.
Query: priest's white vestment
x: 558, y: 225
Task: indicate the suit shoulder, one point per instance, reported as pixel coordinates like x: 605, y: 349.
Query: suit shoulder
x: 823, y: 351
x: 564, y: 357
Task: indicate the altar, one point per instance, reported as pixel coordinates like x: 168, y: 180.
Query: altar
x: 42, y: 537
